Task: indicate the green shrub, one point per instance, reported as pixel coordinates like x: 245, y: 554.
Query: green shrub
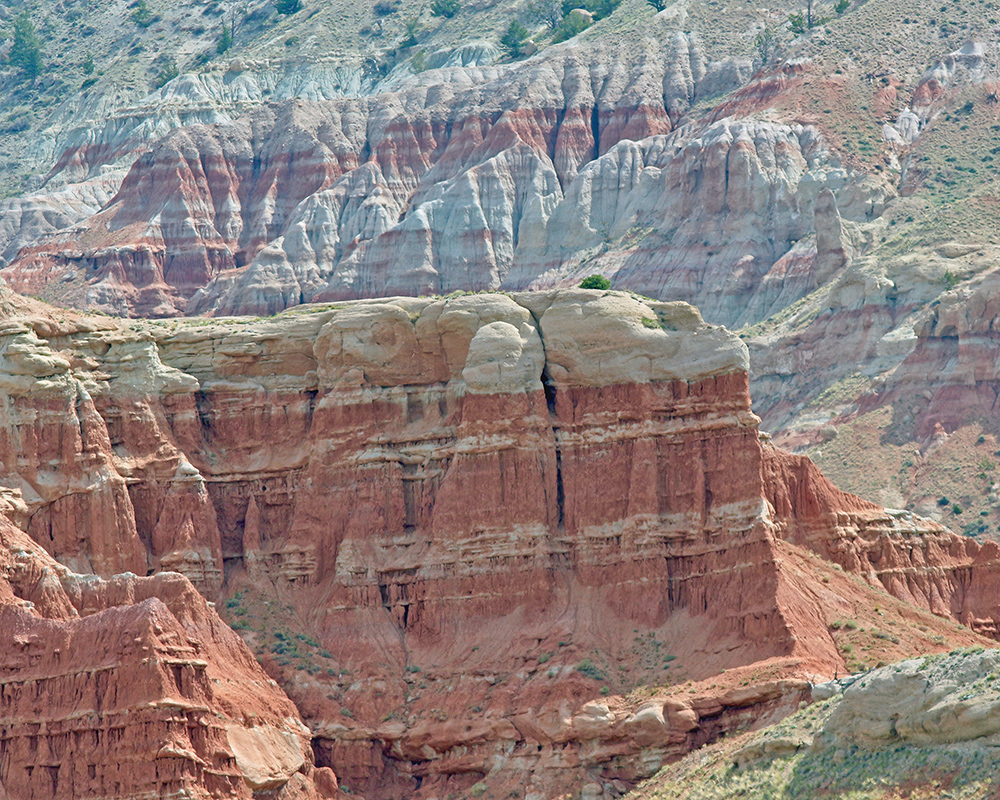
x: 587, y: 667
x: 412, y: 27
x: 88, y: 65
x: 142, y: 16
x: 595, y: 282
x: 288, y: 7
x: 543, y: 658
x: 225, y: 40
x: 765, y: 43
x: 841, y: 6
x: 571, y: 25
x: 445, y: 8
x: 166, y: 74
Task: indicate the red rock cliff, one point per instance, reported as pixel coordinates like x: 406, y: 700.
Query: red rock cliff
x: 133, y: 687
x: 446, y: 524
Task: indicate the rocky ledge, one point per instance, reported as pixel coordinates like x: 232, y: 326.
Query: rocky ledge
x: 924, y: 727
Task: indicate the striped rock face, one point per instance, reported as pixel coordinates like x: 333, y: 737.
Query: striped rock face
x: 133, y: 687
x: 459, y: 532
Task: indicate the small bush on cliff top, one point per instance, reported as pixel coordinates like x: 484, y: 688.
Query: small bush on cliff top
x: 595, y: 282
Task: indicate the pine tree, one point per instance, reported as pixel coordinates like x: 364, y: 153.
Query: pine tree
x: 225, y: 41
x: 26, y: 50
x: 513, y: 40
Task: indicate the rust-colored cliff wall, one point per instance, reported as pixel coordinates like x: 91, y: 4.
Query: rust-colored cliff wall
x: 449, y: 526
x: 132, y: 687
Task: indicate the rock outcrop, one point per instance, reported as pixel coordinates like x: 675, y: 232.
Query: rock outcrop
x: 446, y: 524
x: 913, y: 728
x: 575, y: 162
x: 133, y: 687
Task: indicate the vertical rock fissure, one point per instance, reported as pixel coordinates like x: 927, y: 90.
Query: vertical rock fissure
x: 595, y: 129
x: 550, y: 401
x: 549, y: 387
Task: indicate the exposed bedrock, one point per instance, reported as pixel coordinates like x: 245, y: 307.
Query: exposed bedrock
x: 446, y: 524
x: 133, y: 687
x: 508, y: 177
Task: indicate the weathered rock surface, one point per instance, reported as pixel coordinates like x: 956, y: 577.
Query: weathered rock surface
x: 445, y: 524
x: 486, y: 178
x: 923, y: 701
x: 824, y: 204
x: 910, y: 728
x: 133, y: 687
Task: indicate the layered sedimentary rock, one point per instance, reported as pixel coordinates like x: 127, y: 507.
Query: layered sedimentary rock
x: 445, y: 524
x: 133, y: 687
x: 907, y: 728
x: 949, y: 378
x: 473, y: 178
x: 823, y: 204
